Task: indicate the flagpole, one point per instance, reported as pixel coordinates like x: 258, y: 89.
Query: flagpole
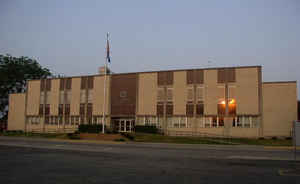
x: 104, y: 90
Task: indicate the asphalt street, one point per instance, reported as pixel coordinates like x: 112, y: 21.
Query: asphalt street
x: 25, y: 160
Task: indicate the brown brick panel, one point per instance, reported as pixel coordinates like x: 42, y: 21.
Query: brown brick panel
x: 123, y: 94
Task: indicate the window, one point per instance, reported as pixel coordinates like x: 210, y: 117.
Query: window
x: 195, y: 76
x: 165, y: 78
x: 221, y: 100
x: 200, y: 109
x: 67, y: 120
x: 160, y: 109
x: 169, y: 108
x: 60, y: 109
x: 68, y: 83
x: 82, y: 109
x: 42, y: 97
x: 47, y: 120
x: 189, y: 109
x: 41, y: 109
x: 83, y: 82
x: 42, y: 87
x: 82, y: 96
x: 199, y: 76
x: 221, y: 121
x: 160, y: 95
x: 48, y: 84
x: 190, y: 77
x: 62, y: 84
x: 200, y: 122
x: 214, y: 121
x: 60, y: 120
x: 245, y: 121
x: 90, y: 82
x: 67, y: 109
x: 221, y: 108
x: 169, y: 94
x: 47, y: 109
x: 90, y: 96
x: 226, y: 75
x: 207, y: 122
x: 200, y: 94
x: 190, y: 95
x: 67, y: 97
x: 89, y: 109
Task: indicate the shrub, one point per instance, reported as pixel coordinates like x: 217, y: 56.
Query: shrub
x: 73, y: 136
x: 120, y: 140
x: 146, y: 129
x: 274, y: 138
x: 128, y: 135
x: 261, y: 138
x: 90, y: 128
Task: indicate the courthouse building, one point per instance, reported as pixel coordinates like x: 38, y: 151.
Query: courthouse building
x: 230, y: 101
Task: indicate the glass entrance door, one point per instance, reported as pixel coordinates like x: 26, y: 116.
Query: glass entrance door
x: 125, y: 125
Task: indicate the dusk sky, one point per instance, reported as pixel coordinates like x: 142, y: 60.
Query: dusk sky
x: 68, y: 36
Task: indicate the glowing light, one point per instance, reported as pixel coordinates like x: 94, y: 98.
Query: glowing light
x: 223, y: 102
x: 232, y: 101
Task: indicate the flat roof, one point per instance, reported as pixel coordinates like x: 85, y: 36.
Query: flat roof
x: 175, y: 70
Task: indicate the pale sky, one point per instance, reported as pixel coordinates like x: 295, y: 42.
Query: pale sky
x: 68, y: 36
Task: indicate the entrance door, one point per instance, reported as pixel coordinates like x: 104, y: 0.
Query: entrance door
x: 124, y: 125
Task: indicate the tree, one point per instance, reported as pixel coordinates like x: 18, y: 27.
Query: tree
x: 14, y: 72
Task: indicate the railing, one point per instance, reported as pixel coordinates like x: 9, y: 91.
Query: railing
x: 47, y: 130
x: 194, y: 134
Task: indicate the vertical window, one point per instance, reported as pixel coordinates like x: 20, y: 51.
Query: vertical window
x: 230, y: 75
x: 190, y: 77
x: 83, y: 82
x: 207, y: 122
x: 42, y: 87
x: 90, y: 96
x: 60, y: 109
x: 190, y: 95
x: 68, y: 83
x: 169, y: 78
x: 82, y: 96
x: 214, y: 121
x: 199, y: 76
x: 221, y: 121
x: 48, y: 84
x: 169, y: 94
x: 47, y: 120
x: 47, y: 109
x: 200, y: 94
x: 160, y: 95
x: 90, y: 82
x: 89, y: 109
x: 189, y: 109
x: 67, y: 120
x: 161, y: 78
x: 160, y: 109
x: 41, y: 109
x: 82, y: 109
x: 67, y: 109
x: 169, y: 109
x: 42, y: 97
x: 200, y: 109
x: 62, y: 84
x: 221, y: 75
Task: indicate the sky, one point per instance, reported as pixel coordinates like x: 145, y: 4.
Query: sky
x: 68, y: 36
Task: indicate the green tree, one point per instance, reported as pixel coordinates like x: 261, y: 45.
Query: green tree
x: 14, y: 72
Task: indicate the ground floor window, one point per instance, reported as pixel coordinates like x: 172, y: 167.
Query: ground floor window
x: 34, y: 120
x: 245, y: 121
x: 177, y: 122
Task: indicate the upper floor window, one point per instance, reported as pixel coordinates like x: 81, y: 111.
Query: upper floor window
x: 165, y: 78
x: 45, y: 85
x: 160, y: 95
x: 226, y: 75
x: 190, y: 95
x: 194, y: 77
x: 169, y: 94
x: 65, y: 84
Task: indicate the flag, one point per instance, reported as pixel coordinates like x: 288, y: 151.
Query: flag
x: 107, y: 50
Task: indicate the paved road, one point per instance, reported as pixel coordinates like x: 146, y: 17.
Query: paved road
x: 43, y: 161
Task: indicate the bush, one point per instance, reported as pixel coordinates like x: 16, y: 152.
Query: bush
x: 73, y: 136
x: 146, y: 129
x: 90, y: 128
x: 120, y: 140
x: 274, y: 138
x: 261, y: 138
x: 128, y: 135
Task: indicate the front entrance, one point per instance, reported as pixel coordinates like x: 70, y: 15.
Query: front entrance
x: 124, y: 125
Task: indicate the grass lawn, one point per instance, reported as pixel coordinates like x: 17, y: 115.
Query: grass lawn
x: 156, y: 138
